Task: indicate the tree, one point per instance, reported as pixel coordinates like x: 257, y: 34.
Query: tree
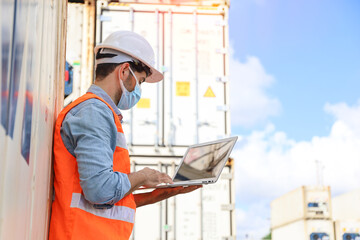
x: 267, y: 237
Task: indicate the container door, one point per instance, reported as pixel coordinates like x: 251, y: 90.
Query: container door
x: 195, y: 98
x: 180, y: 89
x: 212, y: 93
x: 145, y: 117
x: 189, y: 106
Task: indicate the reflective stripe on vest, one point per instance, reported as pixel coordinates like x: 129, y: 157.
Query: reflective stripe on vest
x: 121, y: 141
x: 116, y: 212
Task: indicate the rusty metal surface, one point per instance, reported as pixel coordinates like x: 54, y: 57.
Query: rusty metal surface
x: 179, y: 2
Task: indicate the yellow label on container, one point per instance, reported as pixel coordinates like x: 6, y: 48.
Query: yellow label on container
x: 209, y: 93
x: 143, y: 103
x: 183, y: 89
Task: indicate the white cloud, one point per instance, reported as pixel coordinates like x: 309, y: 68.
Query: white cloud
x: 250, y: 104
x: 349, y: 115
x: 251, y: 224
x: 269, y: 164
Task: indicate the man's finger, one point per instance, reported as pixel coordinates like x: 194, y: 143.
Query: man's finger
x: 166, y: 178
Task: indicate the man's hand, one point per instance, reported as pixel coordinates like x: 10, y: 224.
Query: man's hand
x: 161, y: 194
x: 153, y: 177
x: 150, y: 178
x: 147, y: 177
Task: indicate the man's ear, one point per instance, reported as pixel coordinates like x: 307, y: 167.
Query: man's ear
x: 124, y: 70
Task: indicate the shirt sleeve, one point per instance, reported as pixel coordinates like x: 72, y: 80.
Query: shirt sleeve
x: 91, y: 132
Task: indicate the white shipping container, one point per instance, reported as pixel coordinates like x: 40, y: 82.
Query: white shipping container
x: 32, y: 42
x: 79, y: 46
x: 347, y: 230
x: 346, y: 206
x: 190, y: 43
x: 305, y: 230
x: 306, y: 202
x: 207, y: 213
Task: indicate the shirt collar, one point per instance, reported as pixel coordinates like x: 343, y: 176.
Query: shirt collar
x: 101, y: 93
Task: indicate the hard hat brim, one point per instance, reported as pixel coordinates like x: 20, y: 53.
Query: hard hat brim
x: 155, y: 76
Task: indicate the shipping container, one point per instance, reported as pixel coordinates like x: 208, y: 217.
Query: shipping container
x: 305, y: 230
x: 191, y: 105
x: 347, y: 230
x: 306, y: 202
x: 80, y: 46
x: 207, y: 213
x: 32, y: 88
x: 346, y: 206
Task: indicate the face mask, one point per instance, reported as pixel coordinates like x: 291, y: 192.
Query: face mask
x: 129, y: 99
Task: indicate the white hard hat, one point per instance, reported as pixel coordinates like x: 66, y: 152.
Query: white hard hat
x: 136, y: 47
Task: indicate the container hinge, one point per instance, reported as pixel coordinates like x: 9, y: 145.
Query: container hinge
x: 227, y: 176
x: 223, y: 108
x: 221, y: 23
x: 228, y: 207
x: 222, y: 50
x: 223, y: 79
x: 104, y: 18
x: 228, y: 238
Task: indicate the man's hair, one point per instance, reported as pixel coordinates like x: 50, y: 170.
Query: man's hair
x: 104, y: 69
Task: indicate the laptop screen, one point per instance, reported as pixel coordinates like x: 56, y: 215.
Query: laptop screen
x: 204, y: 161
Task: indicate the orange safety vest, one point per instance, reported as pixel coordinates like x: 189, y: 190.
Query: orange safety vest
x: 73, y: 217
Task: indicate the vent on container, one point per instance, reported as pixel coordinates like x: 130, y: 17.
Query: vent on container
x: 319, y: 236
x: 351, y: 236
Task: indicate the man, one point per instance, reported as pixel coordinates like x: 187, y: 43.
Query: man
x: 93, y: 184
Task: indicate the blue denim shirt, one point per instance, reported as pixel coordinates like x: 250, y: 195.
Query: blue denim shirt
x: 89, y: 134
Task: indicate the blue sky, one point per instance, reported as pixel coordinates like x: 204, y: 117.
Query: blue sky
x: 295, y: 99
x: 312, y: 50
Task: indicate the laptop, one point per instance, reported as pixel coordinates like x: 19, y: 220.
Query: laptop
x: 202, y: 163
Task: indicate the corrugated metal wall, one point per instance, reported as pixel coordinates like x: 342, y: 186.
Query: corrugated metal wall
x: 32, y: 68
